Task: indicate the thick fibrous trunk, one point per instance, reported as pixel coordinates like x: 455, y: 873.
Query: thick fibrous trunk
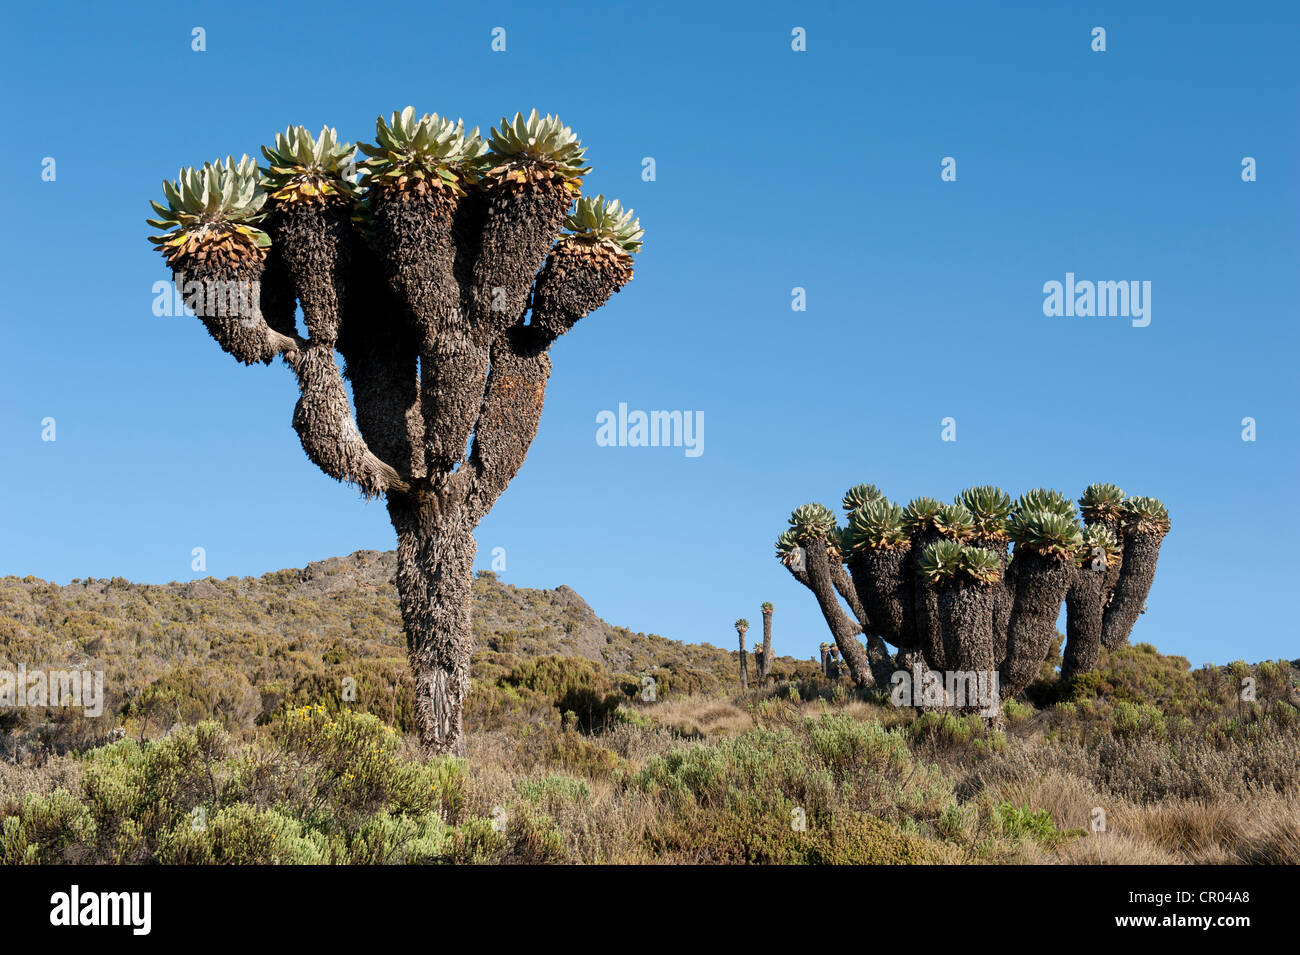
x: 966, y: 621
x: 845, y: 631
x: 573, y: 281
x: 435, y: 557
x: 324, y: 424
x: 426, y: 245
x: 1001, y: 596
x: 452, y: 373
x: 887, y: 593
x: 416, y: 238
x: 1083, y: 615
x: 381, y: 350
x: 229, y: 302
x: 1038, y: 584
x: 928, y: 629
x: 519, y: 227
x: 879, y: 660
x: 925, y: 602
x: 315, y: 244
x: 1137, y: 571
x: 510, y: 415
x: 767, y: 645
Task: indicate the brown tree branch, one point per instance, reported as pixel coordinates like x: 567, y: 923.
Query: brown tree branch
x: 500, y: 238
x: 569, y: 287
x: 381, y: 349
x: 844, y: 587
x: 510, y: 415
x: 326, y: 429
x: 821, y: 582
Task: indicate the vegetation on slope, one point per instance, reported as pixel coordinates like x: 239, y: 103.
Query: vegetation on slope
x: 1142, y: 760
x: 242, y: 650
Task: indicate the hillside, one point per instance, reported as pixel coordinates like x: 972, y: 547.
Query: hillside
x: 226, y: 738
x: 241, y: 649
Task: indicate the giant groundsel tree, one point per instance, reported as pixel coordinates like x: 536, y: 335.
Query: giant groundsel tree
x: 935, y: 580
x: 442, y: 275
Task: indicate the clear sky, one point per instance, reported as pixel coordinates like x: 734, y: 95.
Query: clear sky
x: 774, y: 169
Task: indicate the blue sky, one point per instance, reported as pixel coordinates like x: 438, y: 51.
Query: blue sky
x: 775, y: 169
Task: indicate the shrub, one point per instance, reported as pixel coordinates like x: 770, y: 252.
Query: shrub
x: 1129, y: 720
x: 351, y: 762
x: 940, y: 731
x: 573, y: 684
x: 188, y: 695
x: 41, y: 830
x: 770, y: 838
x: 243, y: 835
x: 1021, y: 821
x: 1017, y: 712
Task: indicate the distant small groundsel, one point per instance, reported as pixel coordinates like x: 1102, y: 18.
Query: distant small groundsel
x: 653, y: 429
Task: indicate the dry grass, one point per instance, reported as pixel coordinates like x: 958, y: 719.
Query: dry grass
x: 702, y: 717
x: 715, y: 779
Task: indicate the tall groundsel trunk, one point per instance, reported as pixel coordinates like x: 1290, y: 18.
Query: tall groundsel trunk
x: 929, y: 635
x: 843, y: 629
x: 1083, y: 614
x: 742, y: 627
x: 1085, y: 602
x: 435, y: 559
x: 966, y: 621
x: 1038, y: 583
x: 415, y: 237
x: 886, y: 586
x: 1144, y: 524
x: 767, y: 643
x: 1137, y: 573
x: 1000, y: 596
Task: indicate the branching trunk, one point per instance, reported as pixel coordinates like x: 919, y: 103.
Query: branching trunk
x: 444, y: 305
x: 821, y: 582
x: 1137, y: 572
x: 879, y: 660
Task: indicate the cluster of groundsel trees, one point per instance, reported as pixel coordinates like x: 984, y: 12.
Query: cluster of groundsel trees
x: 936, y: 581
x: 442, y: 275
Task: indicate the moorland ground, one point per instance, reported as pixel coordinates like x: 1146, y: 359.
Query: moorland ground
x: 226, y: 737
